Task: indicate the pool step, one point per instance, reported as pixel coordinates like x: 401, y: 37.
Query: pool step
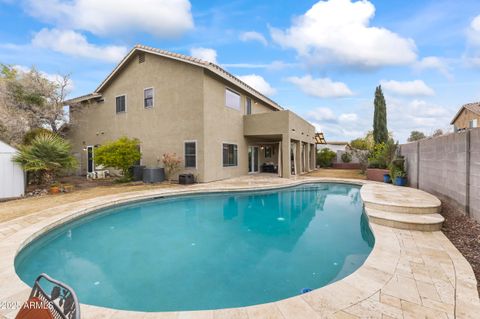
x: 397, y: 199
x: 422, y: 222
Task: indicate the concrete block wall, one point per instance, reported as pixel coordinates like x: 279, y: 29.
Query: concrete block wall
x: 449, y: 167
x: 410, y: 152
x: 475, y: 174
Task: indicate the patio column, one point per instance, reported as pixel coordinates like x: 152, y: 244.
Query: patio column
x: 298, y: 158
x: 307, y: 155
x: 313, y: 156
x: 285, y: 150
x: 279, y: 159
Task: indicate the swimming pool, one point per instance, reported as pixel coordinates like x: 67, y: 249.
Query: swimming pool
x: 207, y: 251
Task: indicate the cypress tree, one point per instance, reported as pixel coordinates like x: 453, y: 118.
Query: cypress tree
x: 380, y: 131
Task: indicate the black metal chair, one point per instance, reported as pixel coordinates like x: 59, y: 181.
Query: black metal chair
x: 62, y: 303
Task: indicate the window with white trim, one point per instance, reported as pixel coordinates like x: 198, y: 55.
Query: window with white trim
x: 191, y: 154
x: 232, y: 99
x: 474, y: 123
x: 248, y: 106
x: 121, y: 104
x: 148, y: 98
x: 230, y: 155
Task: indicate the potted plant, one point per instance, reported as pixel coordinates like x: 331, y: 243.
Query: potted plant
x: 387, y: 178
x: 398, y: 174
x: 55, y: 188
x: 401, y: 178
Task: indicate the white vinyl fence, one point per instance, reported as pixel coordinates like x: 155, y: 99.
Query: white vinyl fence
x: 12, y: 177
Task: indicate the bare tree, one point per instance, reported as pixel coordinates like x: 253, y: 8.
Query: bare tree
x: 30, y: 100
x: 437, y: 132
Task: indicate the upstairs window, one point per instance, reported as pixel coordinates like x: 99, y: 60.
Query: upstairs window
x: 230, y: 155
x: 473, y: 123
x: 191, y: 154
x: 148, y: 98
x: 248, y: 106
x: 232, y: 99
x: 121, y: 104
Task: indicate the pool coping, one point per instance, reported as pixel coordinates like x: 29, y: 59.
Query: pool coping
x: 332, y: 300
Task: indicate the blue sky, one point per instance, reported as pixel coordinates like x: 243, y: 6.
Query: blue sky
x: 321, y: 59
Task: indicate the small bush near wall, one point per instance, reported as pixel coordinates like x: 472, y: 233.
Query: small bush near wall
x: 325, y: 157
x: 120, y: 154
x: 382, y: 155
x: 346, y: 157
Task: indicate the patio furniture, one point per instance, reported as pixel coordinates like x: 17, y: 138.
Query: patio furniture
x: 186, y: 179
x: 269, y: 168
x: 61, y: 303
x: 99, y: 173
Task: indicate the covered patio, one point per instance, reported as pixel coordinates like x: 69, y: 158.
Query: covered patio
x: 282, y: 140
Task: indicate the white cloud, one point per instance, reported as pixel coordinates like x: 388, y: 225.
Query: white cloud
x: 75, y: 44
x: 346, y: 126
x: 321, y: 87
x: 258, y: 83
x: 348, y: 117
x: 473, y: 32
x: 405, y: 116
x: 339, y: 31
x: 165, y: 18
x: 407, y: 88
x: 253, y: 36
x: 433, y: 63
x: 322, y: 114
x: 472, y: 55
x: 206, y: 54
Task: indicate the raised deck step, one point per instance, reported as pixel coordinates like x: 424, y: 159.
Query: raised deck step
x: 422, y: 222
x: 396, y: 199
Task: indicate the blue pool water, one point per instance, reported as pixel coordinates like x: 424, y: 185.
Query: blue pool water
x: 207, y: 251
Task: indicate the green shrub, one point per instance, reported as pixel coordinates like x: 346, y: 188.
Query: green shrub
x: 120, y: 154
x: 47, y: 155
x: 360, y: 144
x: 32, y: 134
x: 382, y: 154
x: 325, y: 157
x: 346, y: 157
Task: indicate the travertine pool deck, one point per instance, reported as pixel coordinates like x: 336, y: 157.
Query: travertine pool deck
x: 409, y: 274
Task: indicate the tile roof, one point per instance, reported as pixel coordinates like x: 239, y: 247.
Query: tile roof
x: 214, y: 68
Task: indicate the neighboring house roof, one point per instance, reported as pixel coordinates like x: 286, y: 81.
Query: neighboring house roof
x: 473, y: 107
x: 320, y: 138
x: 212, y: 67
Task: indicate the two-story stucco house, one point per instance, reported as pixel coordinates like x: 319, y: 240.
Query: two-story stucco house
x: 172, y: 103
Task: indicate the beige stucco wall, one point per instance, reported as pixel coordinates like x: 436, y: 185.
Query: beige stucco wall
x: 222, y: 125
x: 177, y: 114
x: 463, y: 120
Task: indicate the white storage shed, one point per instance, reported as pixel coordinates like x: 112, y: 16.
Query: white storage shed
x: 12, y: 176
